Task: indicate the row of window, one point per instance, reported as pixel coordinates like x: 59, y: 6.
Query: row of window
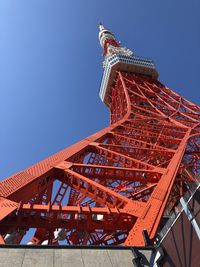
x: 104, y: 81
x: 117, y: 58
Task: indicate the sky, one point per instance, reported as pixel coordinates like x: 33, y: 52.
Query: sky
x: 51, y: 66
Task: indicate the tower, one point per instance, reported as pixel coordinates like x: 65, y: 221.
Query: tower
x: 116, y: 186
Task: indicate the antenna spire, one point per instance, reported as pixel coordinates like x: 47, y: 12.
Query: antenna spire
x: 101, y: 27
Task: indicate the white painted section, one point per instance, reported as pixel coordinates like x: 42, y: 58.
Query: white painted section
x: 60, y: 234
x: 45, y: 242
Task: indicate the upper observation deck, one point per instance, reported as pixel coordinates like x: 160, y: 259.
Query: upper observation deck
x: 123, y: 63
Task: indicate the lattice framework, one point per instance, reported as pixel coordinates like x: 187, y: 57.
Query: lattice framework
x: 109, y: 187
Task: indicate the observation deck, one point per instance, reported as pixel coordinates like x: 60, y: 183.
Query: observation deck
x: 133, y: 64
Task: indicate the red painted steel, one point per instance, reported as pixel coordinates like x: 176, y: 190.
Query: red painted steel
x: 109, y: 187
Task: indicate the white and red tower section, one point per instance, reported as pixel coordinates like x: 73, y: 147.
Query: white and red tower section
x: 111, y: 186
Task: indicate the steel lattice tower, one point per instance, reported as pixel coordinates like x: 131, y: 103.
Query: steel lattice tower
x: 119, y: 181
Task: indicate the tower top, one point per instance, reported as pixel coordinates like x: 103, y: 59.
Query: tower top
x: 107, y: 39
x: 119, y: 58
x: 101, y: 27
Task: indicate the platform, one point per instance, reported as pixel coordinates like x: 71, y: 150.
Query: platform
x: 26, y: 256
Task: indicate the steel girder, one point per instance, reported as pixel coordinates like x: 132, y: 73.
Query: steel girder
x: 109, y: 187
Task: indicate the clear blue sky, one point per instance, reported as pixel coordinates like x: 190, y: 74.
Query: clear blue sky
x: 51, y: 66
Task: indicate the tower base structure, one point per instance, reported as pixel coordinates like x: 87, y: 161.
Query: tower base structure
x: 176, y: 245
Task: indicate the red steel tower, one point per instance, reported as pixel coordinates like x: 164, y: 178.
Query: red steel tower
x: 111, y: 186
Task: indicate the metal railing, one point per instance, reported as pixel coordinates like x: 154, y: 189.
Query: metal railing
x: 173, y: 216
